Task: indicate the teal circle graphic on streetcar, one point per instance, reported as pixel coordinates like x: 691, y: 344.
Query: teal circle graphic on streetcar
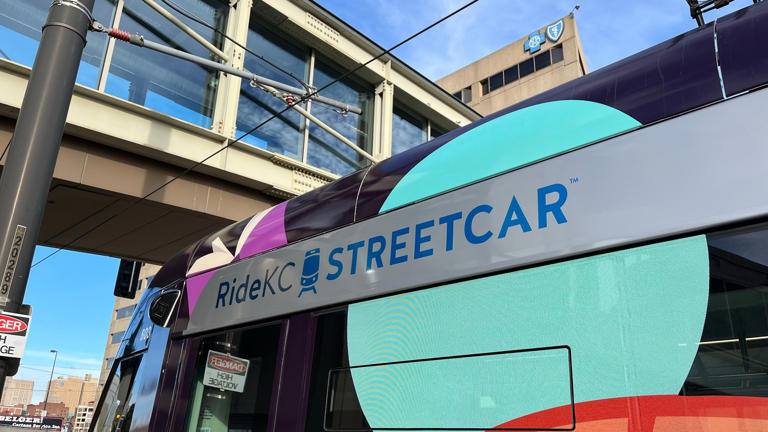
x: 507, y: 142
x: 633, y: 320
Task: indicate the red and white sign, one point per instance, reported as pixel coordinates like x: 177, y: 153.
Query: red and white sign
x: 227, y: 363
x: 225, y: 372
x: 13, y: 334
x: 9, y: 324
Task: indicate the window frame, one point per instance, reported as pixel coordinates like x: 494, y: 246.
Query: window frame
x: 184, y: 381
x: 496, y: 81
x: 545, y: 64
x: 557, y: 48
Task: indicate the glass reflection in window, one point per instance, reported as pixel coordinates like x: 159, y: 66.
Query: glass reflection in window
x: 284, y: 134
x: 246, y: 408
x: 732, y: 358
x: 326, y: 151
x: 21, y: 24
x: 161, y: 82
x: 116, y: 411
x: 407, y: 130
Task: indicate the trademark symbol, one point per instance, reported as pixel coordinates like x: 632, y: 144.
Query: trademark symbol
x: 574, y: 180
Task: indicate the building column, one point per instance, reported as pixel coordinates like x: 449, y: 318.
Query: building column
x: 228, y: 94
x: 382, y: 124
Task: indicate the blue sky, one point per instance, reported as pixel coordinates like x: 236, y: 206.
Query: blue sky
x: 72, y: 301
x: 72, y: 292
x: 610, y: 30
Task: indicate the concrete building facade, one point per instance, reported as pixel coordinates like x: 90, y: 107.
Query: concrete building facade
x: 73, y: 391
x: 17, y: 391
x: 547, y: 57
x: 82, y: 419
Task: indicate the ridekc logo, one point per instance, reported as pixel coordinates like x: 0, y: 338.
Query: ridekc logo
x: 11, y: 325
x: 433, y: 236
x: 310, y: 271
x: 227, y: 364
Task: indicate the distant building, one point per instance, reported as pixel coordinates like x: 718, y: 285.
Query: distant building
x: 54, y: 409
x: 73, y: 391
x: 15, y: 410
x: 82, y: 419
x: 16, y: 391
x: 121, y: 316
x: 547, y: 57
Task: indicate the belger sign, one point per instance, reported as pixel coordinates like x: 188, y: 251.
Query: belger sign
x: 13, y: 334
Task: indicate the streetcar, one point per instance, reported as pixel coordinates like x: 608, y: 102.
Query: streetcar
x: 592, y: 259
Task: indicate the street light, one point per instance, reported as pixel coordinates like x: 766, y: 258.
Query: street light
x: 45, y: 404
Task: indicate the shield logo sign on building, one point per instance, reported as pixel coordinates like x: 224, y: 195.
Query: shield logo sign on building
x: 555, y: 31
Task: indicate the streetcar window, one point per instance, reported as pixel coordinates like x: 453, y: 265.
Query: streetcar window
x: 732, y: 357
x: 494, y: 376
x: 331, y: 352
x: 116, y: 411
x: 233, y: 379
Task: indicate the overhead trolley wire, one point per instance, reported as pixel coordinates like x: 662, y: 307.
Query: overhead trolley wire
x: 310, y: 94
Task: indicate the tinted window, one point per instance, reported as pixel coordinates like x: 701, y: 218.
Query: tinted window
x: 510, y: 75
x: 229, y: 407
x: 484, y: 86
x: 526, y: 68
x: 496, y: 81
x: 117, y: 337
x: 124, y: 312
x: 285, y: 133
x: 408, y: 130
x: 466, y: 95
x: 116, y: 411
x: 331, y: 352
x: 20, y: 31
x: 434, y: 131
x: 557, y: 54
x: 732, y: 358
x: 542, y: 60
x: 161, y: 82
x: 325, y: 151
x: 457, y: 95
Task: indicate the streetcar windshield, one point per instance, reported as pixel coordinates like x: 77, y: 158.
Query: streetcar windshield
x: 116, y: 411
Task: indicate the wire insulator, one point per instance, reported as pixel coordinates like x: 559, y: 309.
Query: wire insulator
x: 120, y: 34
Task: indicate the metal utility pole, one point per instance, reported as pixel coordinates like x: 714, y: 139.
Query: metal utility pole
x: 34, y: 147
x: 48, y: 392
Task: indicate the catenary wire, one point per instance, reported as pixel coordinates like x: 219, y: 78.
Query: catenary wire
x: 44, y: 369
x: 299, y: 100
